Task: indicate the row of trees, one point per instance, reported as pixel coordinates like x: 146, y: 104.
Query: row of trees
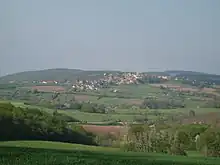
x: 161, y: 104
x: 174, y: 140
x: 151, y: 80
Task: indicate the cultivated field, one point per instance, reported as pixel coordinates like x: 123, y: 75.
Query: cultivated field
x: 185, y: 88
x: 49, y: 88
x: 104, y: 130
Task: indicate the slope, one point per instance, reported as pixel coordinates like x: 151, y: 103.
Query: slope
x: 51, y: 153
x: 58, y: 74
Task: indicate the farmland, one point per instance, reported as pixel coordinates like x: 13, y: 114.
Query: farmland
x: 161, y: 117
x: 124, y: 105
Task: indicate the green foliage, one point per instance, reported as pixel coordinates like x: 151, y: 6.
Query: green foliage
x: 34, y: 124
x: 192, y: 113
x: 210, y: 142
x: 189, y: 133
x: 162, y: 104
x: 145, y: 139
x: 92, y: 108
x: 64, y: 117
x: 75, y: 105
x: 175, y: 141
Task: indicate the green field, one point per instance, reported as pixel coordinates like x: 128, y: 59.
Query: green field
x: 124, y: 114
x: 54, y: 153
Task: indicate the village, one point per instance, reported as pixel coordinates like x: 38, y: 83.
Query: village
x: 109, y: 80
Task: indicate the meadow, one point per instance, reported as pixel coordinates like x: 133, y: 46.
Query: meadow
x: 55, y: 153
x: 128, y: 115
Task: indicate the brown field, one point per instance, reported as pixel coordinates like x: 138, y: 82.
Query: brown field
x: 104, y: 130
x: 49, y: 88
x: 208, y: 90
x: 134, y: 101
x: 180, y: 88
x: 217, y: 86
x: 82, y: 97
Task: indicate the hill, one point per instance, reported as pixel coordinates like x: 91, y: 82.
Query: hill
x: 182, y: 72
x: 41, y: 152
x: 62, y: 74
x: 58, y: 74
x: 34, y: 124
x: 191, y: 74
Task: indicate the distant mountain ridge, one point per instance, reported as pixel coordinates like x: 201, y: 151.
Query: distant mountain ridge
x: 189, y: 73
x: 182, y: 72
x: 58, y: 74
x: 61, y: 74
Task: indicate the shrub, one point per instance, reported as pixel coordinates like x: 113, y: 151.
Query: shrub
x: 210, y: 142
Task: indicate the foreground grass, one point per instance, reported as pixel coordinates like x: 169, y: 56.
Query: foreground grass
x: 52, y: 153
x: 54, y: 145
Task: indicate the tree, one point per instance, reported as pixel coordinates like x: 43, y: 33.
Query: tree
x: 192, y: 113
x: 177, y: 144
x: 87, y: 107
x: 35, y: 91
x: 210, y: 142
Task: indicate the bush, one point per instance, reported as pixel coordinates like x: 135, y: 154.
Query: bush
x: 75, y: 105
x: 161, y: 104
x: 87, y: 107
x: 192, y: 113
x: 176, y: 150
x: 93, y: 108
x: 210, y: 142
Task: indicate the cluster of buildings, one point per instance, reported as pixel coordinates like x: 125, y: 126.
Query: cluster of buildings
x: 85, y: 85
x: 110, y: 79
x: 104, y: 82
x: 124, y: 78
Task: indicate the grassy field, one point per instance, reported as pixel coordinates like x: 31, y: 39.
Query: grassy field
x: 54, y: 153
x: 124, y: 114
x: 127, y: 94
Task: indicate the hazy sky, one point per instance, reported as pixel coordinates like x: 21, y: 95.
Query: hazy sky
x: 138, y: 35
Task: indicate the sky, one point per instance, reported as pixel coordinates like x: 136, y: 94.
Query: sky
x: 126, y: 35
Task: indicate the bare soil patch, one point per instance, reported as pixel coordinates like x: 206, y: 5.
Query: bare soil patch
x: 49, y: 88
x: 134, y: 101
x: 208, y: 89
x: 104, y: 130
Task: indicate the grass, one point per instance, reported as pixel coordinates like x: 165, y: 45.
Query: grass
x: 123, y: 114
x: 54, y: 145
x: 138, y: 91
x: 54, y: 153
x: 96, y: 117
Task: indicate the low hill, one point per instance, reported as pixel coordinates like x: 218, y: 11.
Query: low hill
x: 18, y: 123
x: 191, y: 74
x: 51, y: 153
x: 55, y: 74
x: 182, y: 72
x: 198, y: 76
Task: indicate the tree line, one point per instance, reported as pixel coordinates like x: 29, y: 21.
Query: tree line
x: 174, y: 140
x: 32, y: 124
